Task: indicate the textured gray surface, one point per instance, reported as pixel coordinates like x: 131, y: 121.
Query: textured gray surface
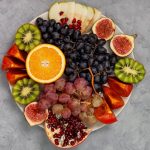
x: 132, y: 131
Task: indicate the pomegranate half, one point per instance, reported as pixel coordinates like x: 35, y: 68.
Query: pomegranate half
x: 34, y: 115
x: 104, y: 28
x: 122, y: 45
x: 65, y: 133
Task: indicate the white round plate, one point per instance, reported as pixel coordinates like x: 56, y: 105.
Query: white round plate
x: 117, y: 111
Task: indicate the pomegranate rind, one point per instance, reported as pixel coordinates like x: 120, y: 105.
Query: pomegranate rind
x: 31, y: 121
x: 100, y: 23
x: 50, y: 137
x: 129, y: 47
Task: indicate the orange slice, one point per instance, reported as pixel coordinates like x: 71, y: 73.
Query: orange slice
x: 45, y: 63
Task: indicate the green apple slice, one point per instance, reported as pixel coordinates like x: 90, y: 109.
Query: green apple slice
x: 54, y: 12
x: 97, y: 16
x: 89, y: 17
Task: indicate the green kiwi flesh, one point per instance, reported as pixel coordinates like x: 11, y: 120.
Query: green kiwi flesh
x: 27, y: 37
x: 129, y: 70
x: 25, y: 91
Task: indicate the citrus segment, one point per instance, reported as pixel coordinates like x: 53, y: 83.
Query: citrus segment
x: 45, y: 63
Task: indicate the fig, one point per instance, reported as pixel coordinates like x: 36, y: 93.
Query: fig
x: 34, y: 115
x: 122, y: 45
x: 65, y: 133
x: 104, y: 28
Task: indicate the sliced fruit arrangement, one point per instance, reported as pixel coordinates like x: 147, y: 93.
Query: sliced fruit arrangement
x: 104, y: 28
x: 76, y: 15
x: 14, y: 64
x: 14, y: 75
x: 25, y: 91
x: 11, y: 63
x: 28, y: 36
x: 104, y: 114
x: 122, y: 45
x: 112, y: 98
x: 123, y: 89
x: 45, y: 63
x: 129, y: 70
x: 65, y: 133
x: 34, y: 115
x: 60, y: 68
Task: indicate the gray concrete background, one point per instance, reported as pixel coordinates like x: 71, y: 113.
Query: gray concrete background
x: 132, y: 131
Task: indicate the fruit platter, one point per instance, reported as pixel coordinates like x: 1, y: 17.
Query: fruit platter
x: 71, y: 71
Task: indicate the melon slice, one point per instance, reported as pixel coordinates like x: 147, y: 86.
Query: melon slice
x: 54, y: 12
x: 96, y: 17
x: 89, y: 18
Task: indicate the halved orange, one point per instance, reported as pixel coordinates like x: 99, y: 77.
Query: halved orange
x: 45, y: 63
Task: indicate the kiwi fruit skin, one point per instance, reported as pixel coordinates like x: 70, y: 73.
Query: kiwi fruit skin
x: 129, y: 70
x: 25, y: 91
x: 27, y: 37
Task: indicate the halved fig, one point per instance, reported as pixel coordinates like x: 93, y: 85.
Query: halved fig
x: 104, y: 28
x: 122, y: 45
x: 65, y: 133
x: 34, y: 115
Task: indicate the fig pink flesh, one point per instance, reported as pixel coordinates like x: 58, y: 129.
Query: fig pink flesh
x: 34, y: 114
x: 122, y: 44
x: 104, y: 29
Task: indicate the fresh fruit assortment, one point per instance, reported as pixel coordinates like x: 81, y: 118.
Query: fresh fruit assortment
x: 63, y: 75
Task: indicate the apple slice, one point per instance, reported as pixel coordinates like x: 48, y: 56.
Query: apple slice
x: 83, y: 16
x: 68, y: 9
x: 97, y: 16
x: 78, y: 11
x: 89, y: 17
x: 54, y: 12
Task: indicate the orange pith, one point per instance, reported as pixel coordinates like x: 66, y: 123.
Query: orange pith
x: 45, y: 63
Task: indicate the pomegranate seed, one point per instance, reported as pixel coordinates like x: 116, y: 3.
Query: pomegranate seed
x: 72, y: 143
x: 74, y: 20
x: 79, y: 22
x: 52, y: 129
x: 71, y: 26
x: 66, y: 19
x: 61, y: 13
x: 56, y: 142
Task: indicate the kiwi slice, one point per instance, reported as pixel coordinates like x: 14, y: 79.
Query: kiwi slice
x: 25, y: 91
x: 28, y: 36
x: 129, y: 70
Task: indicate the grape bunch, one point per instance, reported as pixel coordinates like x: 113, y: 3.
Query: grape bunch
x: 67, y: 98
x: 85, y: 54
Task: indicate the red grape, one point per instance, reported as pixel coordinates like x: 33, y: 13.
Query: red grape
x: 44, y: 104
x: 49, y: 88
x: 73, y: 104
x: 96, y: 100
x: 53, y: 97
x: 57, y: 108
x: 70, y: 88
x: 84, y: 107
x: 80, y: 84
x: 64, y: 98
x: 76, y: 111
x: 87, y: 92
x: 66, y: 113
x: 60, y: 84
